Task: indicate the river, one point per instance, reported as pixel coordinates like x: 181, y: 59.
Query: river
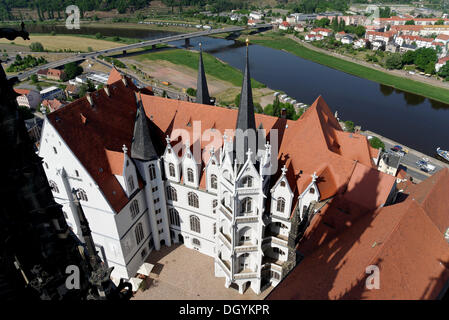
x: 415, y: 121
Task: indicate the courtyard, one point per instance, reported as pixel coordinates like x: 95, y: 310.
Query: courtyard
x: 180, y: 273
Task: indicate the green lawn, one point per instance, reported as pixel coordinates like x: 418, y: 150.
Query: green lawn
x: 212, y: 66
x: 408, y: 85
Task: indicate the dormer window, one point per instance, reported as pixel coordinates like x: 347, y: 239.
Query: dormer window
x: 152, y: 170
x: 171, y: 169
x: 247, y: 182
x: 213, y: 181
x: 280, y: 205
x: 131, y: 183
x: 246, y: 206
x: 190, y: 175
x: 312, y: 191
x: 282, y: 183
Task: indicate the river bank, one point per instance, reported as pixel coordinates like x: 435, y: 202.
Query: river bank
x: 324, y: 58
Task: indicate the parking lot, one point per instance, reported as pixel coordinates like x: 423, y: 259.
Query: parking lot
x: 184, y: 274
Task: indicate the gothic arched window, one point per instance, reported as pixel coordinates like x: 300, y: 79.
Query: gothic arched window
x: 174, y: 217
x: 53, y: 186
x: 195, y: 224
x: 172, y: 194
x: 193, y: 200
x: 196, y: 242
x: 131, y: 183
x: 134, y: 208
x: 82, y: 194
x: 280, y: 204
x: 171, y: 169
x: 138, y: 232
x: 247, y: 182
x: 190, y: 175
x: 213, y: 181
x: 152, y: 170
x: 246, y: 206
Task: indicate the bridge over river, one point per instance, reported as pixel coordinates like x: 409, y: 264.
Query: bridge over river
x: 186, y: 37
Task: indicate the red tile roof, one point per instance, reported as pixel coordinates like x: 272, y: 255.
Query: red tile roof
x: 404, y: 240
x: 114, y: 76
x: 443, y: 60
x: 22, y: 91
x: 53, y: 105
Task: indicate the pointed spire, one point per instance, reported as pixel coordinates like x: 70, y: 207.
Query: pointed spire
x: 246, y: 119
x: 202, y: 92
x: 142, y: 147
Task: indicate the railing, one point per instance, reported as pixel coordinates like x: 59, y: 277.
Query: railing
x: 241, y: 249
x: 243, y: 219
x: 226, y: 212
x: 224, y: 267
x: 274, y: 239
x: 225, y: 240
x: 245, y: 275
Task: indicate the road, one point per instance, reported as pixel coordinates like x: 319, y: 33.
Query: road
x: 186, y: 36
x: 409, y: 160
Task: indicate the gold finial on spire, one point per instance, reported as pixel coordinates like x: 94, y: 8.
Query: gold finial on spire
x: 200, y: 44
x: 247, y: 41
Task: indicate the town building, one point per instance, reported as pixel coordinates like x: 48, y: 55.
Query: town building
x: 284, y: 25
x: 51, y: 104
x: 322, y: 31
x: 361, y: 43
x: 72, y: 91
x: 51, y: 93
x: 148, y: 175
x: 389, y: 163
x: 52, y: 74
x: 441, y: 62
x: 28, y: 98
x: 256, y: 15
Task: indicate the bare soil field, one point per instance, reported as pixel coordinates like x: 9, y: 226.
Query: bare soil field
x: 64, y: 42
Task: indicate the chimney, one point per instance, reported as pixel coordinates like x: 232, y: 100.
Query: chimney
x: 89, y: 98
x: 284, y: 113
x: 106, y: 89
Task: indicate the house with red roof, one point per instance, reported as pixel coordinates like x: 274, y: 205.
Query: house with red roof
x: 441, y: 62
x: 284, y: 25
x: 28, y: 98
x: 322, y: 31
x: 149, y: 175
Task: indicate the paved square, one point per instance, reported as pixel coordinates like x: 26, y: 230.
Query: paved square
x: 185, y: 274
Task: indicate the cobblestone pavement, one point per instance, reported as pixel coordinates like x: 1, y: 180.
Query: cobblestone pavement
x: 185, y: 274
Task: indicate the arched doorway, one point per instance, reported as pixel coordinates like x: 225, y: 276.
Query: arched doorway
x: 180, y: 238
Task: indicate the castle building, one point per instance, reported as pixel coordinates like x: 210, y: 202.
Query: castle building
x: 152, y: 171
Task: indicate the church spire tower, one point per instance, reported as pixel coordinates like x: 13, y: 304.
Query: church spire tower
x: 246, y: 120
x: 202, y: 92
x: 142, y: 147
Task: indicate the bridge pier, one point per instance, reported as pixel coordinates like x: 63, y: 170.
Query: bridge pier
x: 153, y: 47
x: 187, y: 42
x: 124, y: 52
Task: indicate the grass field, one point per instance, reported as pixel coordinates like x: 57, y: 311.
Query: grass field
x: 57, y: 42
x: 212, y: 66
x: 408, y: 85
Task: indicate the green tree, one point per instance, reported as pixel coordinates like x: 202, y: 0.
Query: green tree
x: 410, y: 23
x: 439, y: 22
x: 376, y: 143
x: 409, y: 57
x: 72, y: 70
x: 37, y: 47
x: 394, y: 61
x: 34, y: 78
x: 237, y: 100
x: 191, y: 92
x: 349, y: 126
x: 444, y: 71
